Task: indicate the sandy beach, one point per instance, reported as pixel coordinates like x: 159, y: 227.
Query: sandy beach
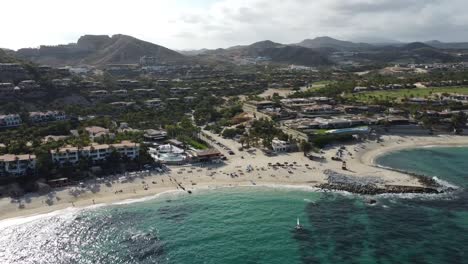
x: 300, y: 171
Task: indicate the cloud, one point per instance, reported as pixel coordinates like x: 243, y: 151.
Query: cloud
x: 181, y: 24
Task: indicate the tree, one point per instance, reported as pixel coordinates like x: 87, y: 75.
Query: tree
x: 306, y: 147
x: 229, y: 133
x: 458, y: 121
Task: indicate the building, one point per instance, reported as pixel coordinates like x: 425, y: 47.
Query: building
x: 49, y: 116
x: 280, y: 145
x: 17, y: 164
x: 153, y: 103
x: 126, y: 83
x: 144, y: 91
x: 12, y: 72
x: 28, y: 86
x: 122, y: 104
x: 96, y: 132
x: 254, y: 106
x: 6, y: 89
x: 121, y: 92
x: 155, y: 135
x: 180, y: 90
x: 189, y: 99
x: 360, y: 89
x: 320, y: 110
x: 12, y: 120
x: 208, y: 155
x: 62, y: 83
x: 99, y: 93
x: 96, y: 152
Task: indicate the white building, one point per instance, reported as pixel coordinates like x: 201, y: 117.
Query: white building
x: 96, y: 152
x: 17, y: 164
x: 12, y: 120
x: 28, y: 85
x: 6, y: 88
x: 280, y: 145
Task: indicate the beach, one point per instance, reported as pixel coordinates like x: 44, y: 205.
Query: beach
x: 296, y: 171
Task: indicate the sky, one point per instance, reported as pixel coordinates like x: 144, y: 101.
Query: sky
x: 196, y: 24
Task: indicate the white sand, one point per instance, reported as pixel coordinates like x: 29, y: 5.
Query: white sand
x: 359, y: 164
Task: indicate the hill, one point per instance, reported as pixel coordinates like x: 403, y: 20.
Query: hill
x: 415, y: 46
x: 415, y: 52
x: 447, y: 45
x: 327, y: 42
x: 5, y: 57
x: 296, y: 55
x: 100, y: 50
x: 276, y: 52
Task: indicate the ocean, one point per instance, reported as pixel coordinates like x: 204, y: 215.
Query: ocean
x: 256, y: 225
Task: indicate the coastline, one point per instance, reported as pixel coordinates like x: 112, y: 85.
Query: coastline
x: 361, y: 163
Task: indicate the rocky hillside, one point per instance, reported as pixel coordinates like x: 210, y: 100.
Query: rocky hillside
x: 100, y: 50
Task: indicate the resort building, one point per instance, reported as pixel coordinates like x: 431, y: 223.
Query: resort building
x: 28, y: 85
x: 96, y: 132
x: 99, y: 93
x: 207, y: 155
x: 317, y: 110
x: 62, y: 83
x: 254, y: 106
x: 97, y: 152
x: 6, y: 89
x: 12, y: 120
x: 49, y: 116
x: 153, y: 103
x: 17, y: 164
x: 155, y: 135
x: 122, y: 104
x: 125, y: 83
x: 121, y: 92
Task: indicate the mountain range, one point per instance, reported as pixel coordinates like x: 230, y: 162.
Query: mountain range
x: 100, y: 50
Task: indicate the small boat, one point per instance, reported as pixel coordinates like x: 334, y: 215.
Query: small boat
x: 298, y: 225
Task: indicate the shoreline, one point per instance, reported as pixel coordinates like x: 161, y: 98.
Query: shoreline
x: 361, y: 162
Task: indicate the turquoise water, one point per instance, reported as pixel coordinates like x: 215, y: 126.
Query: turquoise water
x: 256, y: 225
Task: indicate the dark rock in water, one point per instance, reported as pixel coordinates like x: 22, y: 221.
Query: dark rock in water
x: 190, y: 192
x: 372, y: 201
x: 374, y: 185
x: 373, y: 189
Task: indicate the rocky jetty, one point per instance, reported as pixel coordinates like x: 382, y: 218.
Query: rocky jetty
x: 374, y: 185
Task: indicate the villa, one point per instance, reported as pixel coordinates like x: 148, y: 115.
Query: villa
x: 11, y: 120
x: 97, y: 152
x: 49, y: 116
x: 96, y: 132
x: 17, y: 164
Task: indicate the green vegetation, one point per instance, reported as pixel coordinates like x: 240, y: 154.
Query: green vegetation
x: 323, y: 140
x: 197, y: 144
x: 398, y: 95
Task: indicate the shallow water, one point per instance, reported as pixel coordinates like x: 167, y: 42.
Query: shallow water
x: 256, y: 225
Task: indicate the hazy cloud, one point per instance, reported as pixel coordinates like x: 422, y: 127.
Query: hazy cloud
x: 221, y: 23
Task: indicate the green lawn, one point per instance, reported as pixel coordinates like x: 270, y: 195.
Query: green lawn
x: 196, y: 144
x: 320, y: 84
x: 400, y: 94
